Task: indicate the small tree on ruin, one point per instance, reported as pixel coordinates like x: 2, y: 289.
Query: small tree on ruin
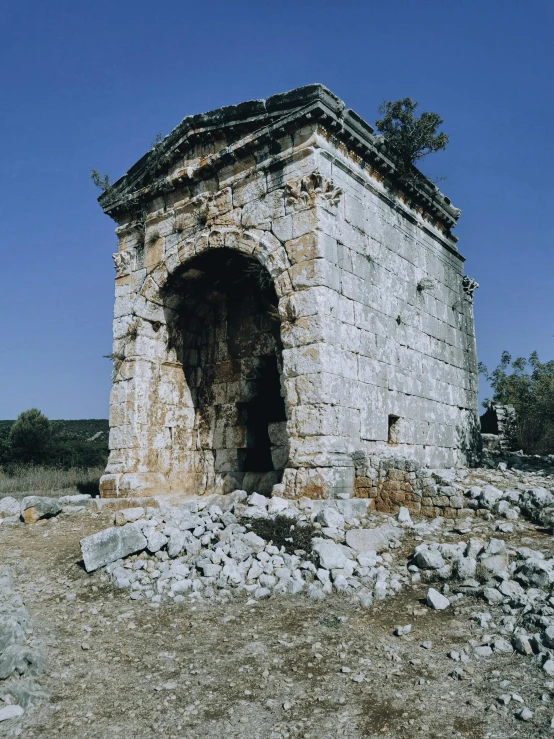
x: 409, y: 137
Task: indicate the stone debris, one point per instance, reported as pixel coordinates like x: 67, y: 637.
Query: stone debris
x: 204, y: 549
x: 18, y: 660
x: 218, y: 552
x: 372, y: 540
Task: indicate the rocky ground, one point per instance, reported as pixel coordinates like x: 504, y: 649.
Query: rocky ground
x: 340, y: 655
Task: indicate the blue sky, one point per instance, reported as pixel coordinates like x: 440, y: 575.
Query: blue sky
x: 91, y: 84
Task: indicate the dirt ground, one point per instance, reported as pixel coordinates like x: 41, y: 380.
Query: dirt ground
x: 277, y: 669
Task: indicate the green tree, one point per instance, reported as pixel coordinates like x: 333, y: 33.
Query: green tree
x: 31, y: 437
x: 409, y: 137
x: 528, y: 385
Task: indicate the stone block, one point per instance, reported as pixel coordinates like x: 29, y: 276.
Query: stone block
x: 112, y: 544
x: 35, y: 507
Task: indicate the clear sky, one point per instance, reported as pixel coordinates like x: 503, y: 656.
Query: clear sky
x: 89, y: 85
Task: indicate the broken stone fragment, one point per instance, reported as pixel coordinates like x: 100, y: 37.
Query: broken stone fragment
x: 511, y: 589
x: 536, y: 573
x: 428, y: 559
x: 436, y: 600
x: 9, y: 712
x: 277, y: 504
x: 402, y: 630
x: 35, y: 507
x: 112, y: 544
x: 128, y: 515
x: 331, y: 556
x: 9, y: 507
x: 548, y: 667
x: 156, y: 541
x: 522, y: 644
x: 330, y: 517
x: 372, y: 540
x: 493, y: 596
x: 73, y: 499
x: 524, y: 714
x: 404, y: 515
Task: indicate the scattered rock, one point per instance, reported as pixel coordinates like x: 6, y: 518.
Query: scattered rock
x: 436, y: 600
x: 9, y: 712
x: 428, y: 559
x: 524, y: 714
x: 402, y: 630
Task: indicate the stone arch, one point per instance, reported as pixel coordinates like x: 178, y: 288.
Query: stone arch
x: 220, y: 300
x: 262, y: 245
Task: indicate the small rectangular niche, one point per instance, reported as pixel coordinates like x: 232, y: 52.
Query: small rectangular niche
x: 394, y: 427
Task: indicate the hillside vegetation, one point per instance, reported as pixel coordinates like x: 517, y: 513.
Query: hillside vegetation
x: 42, y: 456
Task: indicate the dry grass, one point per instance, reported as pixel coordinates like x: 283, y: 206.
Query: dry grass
x: 37, y: 480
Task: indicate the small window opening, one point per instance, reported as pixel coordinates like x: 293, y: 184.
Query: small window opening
x: 394, y: 425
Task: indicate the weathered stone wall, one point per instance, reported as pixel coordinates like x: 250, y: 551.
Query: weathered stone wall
x: 369, y: 326
x: 391, y: 482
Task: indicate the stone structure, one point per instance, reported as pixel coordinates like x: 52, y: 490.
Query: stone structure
x: 286, y: 311
x: 499, y: 428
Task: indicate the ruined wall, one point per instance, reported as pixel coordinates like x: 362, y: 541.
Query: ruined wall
x: 165, y: 436
x: 391, y: 318
x: 391, y: 482
x: 499, y: 428
x: 370, y: 329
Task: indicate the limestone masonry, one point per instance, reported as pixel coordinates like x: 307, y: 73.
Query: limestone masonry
x: 289, y: 318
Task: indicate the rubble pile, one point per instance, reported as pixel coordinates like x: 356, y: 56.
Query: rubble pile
x: 19, y: 660
x: 205, y: 550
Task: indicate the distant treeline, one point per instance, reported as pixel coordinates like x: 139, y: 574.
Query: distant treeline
x: 34, y: 439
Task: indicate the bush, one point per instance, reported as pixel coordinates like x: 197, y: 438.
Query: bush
x: 528, y: 385
x: 283, y: 532
x: 30, y: 437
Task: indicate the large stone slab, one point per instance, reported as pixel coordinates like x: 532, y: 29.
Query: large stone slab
x: 111, y: 544
x: 372, y: 540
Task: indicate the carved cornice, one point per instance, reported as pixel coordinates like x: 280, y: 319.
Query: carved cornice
x: 254, y: 125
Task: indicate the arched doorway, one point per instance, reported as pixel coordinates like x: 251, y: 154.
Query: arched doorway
x: 225, y: 329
